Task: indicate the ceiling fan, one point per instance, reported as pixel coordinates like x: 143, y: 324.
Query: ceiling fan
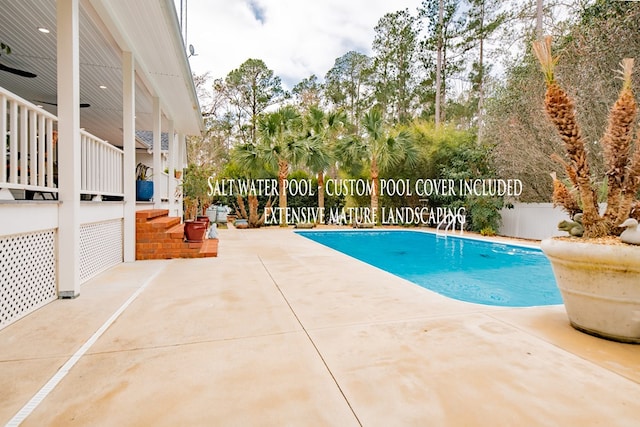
x: 15, y: 71
x: 82, y: 105
x: 22, y: 73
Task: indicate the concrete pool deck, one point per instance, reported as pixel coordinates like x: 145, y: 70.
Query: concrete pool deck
x: 281, y: 331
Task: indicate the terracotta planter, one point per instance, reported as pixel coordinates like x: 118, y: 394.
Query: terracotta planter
x: 600, y: 286
x: 194, y: 231
x: 203, y: 218
x: 241, y: 224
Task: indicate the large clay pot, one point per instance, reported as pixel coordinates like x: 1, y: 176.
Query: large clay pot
x: 203, y: 218
x: 194, y: 231
x: 600, y: 286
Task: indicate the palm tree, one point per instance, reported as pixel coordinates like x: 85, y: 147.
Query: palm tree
x: 250, y: 158
x: 280, y: 146
x: 323, y: 130
x: 381, y: 148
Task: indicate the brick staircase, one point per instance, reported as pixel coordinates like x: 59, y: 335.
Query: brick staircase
x: 159, y: 236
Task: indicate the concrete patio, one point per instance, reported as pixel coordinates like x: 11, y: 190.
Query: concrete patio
x: 281, y: 331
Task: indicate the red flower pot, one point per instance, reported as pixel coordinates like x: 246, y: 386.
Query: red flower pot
x: 204, y: 219
x: 194, y: 231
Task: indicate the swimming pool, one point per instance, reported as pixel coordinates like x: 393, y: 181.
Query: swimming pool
x: 461, y: 268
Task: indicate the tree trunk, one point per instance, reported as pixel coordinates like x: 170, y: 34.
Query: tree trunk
x: 283, y: 171
x: 321, y: 193
x: 264, y: 212
x: 241, y: 211
x: 439, y: 49
x: 254, y: 219
x: 375, y: 192
x: 481, y: 77
x: 539, y: 10
x: 443, y: 85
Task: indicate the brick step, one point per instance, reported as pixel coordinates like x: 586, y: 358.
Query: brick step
x: 147, y: 214
x: 209, y: 248
x: 150, y: 227
x: 176, y: 232
x: 164, y: 222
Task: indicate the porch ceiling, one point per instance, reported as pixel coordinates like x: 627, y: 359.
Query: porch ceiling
x: 148, y: 28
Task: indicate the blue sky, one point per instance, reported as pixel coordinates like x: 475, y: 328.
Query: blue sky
x: 295, y: 38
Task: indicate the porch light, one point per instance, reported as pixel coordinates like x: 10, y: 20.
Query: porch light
x: 44, y: 30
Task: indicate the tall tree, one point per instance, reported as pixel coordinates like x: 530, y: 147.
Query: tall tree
x: 443, y: 28
x: 307, y: 93
x: 250, y: 89
x: 483, y: 19
x: 395, y: 48
x: 347, y: 84
x: 211, y: 148
x: 440, y: 49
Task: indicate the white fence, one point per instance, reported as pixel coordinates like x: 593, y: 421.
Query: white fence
x: 532, y: 221
x: 28, y: 154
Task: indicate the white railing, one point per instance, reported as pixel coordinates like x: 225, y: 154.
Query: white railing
x: 28, y: 153
x: 163, y: 191
x: 101, y: 167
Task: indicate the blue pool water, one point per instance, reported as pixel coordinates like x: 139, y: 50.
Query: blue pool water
x: 465, y: 269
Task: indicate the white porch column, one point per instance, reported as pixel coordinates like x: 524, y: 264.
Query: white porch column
x: 171, y: 188
x: 181, y: 158
x: 157, y: 151
x: 68, y: 70
x: 129, y: 147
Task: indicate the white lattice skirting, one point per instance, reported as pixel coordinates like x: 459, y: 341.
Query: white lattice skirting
x: 27, y: 274
x: 100, y: 247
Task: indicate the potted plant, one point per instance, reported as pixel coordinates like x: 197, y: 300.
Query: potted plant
x: 194, y: 230
x: 144, y: 187
x: 196, y: 200
x: 597, y: 273
x: 177, y: 173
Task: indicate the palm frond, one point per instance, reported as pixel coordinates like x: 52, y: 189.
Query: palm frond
x: 542, y: 50
x: 626, y: 72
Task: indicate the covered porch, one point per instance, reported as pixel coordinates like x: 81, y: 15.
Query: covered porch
x: 81, y: 79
